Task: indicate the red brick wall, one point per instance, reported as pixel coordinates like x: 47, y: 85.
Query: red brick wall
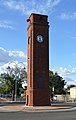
x: 38, y: 62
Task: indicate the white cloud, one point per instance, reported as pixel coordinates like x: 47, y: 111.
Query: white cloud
x: 66, y: 74
x: 69, y: 81
x: 6, y: 56
x: 6, y: 24
x: 65, y: 71
x: 29, y: 6
x: 13, y: 64
x: 13, y: 4
x: 17, y: 54
x: 71, y: 16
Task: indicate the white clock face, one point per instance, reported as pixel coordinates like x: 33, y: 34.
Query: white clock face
x: 40, y: 38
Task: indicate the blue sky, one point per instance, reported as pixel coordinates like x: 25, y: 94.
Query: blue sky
x: 62, y: 33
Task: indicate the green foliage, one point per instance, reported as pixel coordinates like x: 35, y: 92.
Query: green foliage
x: 6, y: 83
x: 8, y: 80
x: 56, y: 82
x: 70, y: 86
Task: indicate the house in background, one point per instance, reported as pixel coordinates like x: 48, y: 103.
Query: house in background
x: 73, y: 93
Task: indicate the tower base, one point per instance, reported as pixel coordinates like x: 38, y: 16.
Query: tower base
x: 38, y: 97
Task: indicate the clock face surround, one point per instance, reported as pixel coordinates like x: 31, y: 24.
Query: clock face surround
x: 40, y: 38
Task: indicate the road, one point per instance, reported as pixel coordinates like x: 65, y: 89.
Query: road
x: 55, y: 115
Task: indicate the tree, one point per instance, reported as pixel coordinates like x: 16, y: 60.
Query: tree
x: 6, y: 83
x: 56, y: 82
x: 70, y: 86
x: 11, y: 82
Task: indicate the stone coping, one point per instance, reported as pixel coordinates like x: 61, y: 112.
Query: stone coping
x: 26, y: 108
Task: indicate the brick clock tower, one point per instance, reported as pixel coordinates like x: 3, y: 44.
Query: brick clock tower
x: 38, y: 93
